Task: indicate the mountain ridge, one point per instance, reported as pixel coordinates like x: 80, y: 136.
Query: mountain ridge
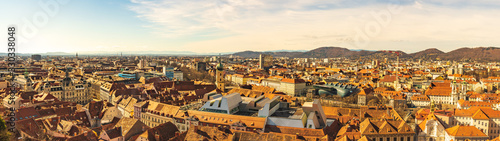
x: 464, y: 53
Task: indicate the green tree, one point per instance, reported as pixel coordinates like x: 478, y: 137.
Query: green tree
x: 3, y: 126
x: 4, y: 134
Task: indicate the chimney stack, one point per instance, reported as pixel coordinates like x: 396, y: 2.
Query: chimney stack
x: 157, y: 136
x: 297, y: 136
x: 196, y: 129
x: 177, y: 133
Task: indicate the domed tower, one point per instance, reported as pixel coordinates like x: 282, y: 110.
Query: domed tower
x: 219, y: 76
x: 68, y: 87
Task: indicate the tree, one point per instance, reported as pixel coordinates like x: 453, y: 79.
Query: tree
x: 3, y: 126
x: 4, y: 134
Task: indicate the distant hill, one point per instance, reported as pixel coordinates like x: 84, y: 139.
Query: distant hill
x: 428, y: 53
x: 478, y: 53
x: 334, y: 52
x: 255, y: 54
x: 322, y: 52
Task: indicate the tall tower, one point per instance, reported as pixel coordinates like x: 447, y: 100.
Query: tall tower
x: 463, y: 91
x: 265, y: 61
x: 433, y: 106
x: 219, y: 76
x: 454, y: 92
x: 28, y: 86
x: 67, y: 87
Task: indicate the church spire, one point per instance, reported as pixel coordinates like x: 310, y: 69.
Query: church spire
x: 219, y: 76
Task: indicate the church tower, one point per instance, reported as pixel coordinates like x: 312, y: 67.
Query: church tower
x: 68, y: 87
x: 463, y: 91
x: 454, y: 92
x: 28, y: 86
x: 219, y: 76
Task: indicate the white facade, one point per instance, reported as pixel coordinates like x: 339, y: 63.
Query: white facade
x: 286, y: 87
x: 292, y: 89
x: 179, y: 75
x: 14, y: 102
x: 271, y: 83
x: 442, y: 99
x: 418, y: 103
x: 288, y: 122
x: 228, y: 104
x: 433, y: 129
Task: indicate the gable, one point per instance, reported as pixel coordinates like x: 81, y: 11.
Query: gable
x: 387, y: 128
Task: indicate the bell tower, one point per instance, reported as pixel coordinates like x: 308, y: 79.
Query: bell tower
x: 28, y: 86
x: 454, y: 92
x: 463, y: 91
x: 219, y: 76
x: 67, y: 86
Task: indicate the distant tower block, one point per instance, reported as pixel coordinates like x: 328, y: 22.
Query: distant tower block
x: 36, y: 57
x: 265, y: 61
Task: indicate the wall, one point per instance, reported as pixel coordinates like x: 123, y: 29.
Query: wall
x: 281, y: 121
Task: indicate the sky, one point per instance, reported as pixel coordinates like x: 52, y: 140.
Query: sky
x: 212, y: 26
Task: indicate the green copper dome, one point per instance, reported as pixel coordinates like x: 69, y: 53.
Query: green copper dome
x: 220, y: 66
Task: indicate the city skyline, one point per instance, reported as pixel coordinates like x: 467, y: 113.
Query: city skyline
x: 231, y: 26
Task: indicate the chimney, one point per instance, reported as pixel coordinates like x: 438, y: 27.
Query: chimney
x: 157, y: 136
x: 221, y: 128
x: 297, y: 136
x: 177, y: 133
x: 196, y: 129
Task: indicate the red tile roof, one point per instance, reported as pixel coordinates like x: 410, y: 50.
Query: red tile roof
x: 465, y: 131
x: 293, y: 80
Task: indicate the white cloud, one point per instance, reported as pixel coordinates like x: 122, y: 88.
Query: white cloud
x: 270, y: 25
x: 418, y: 5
